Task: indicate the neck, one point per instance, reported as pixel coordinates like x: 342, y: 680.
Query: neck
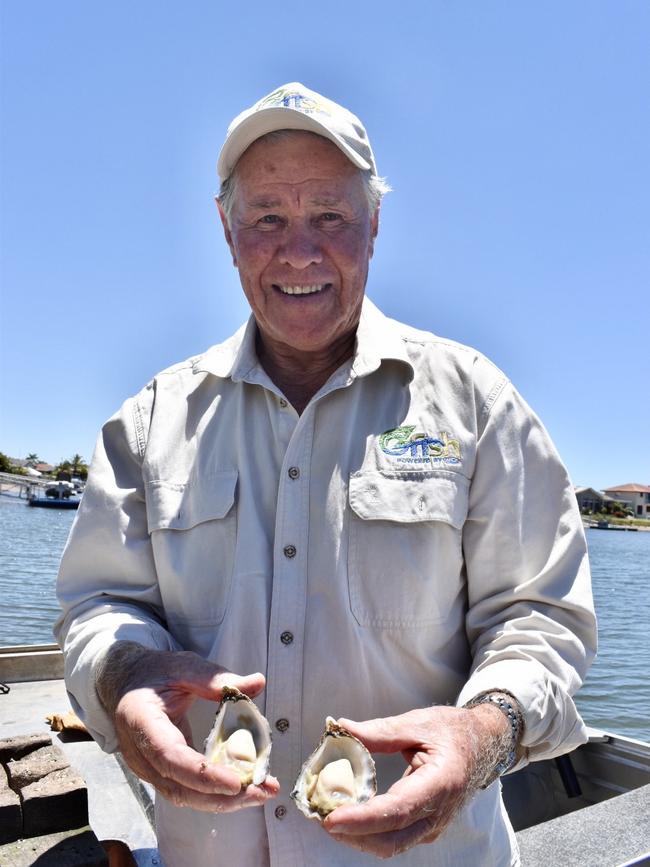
x: 299, y: 374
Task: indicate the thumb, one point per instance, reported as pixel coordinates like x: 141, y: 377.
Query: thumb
x: 207, y: 679
x: 385, y: 735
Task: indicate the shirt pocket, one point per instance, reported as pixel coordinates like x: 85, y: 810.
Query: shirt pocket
x: 193, y: 530
x: 405, y: 562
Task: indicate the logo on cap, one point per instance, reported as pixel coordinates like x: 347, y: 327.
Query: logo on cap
x: 291, y: 99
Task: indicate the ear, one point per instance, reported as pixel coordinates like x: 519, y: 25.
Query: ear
x: 226, y: 231
x: 374, y: 229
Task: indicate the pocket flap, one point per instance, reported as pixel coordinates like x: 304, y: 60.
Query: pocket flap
x: 431, y: 496
x: 182, y: 505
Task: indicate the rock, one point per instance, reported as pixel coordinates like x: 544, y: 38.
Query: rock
x: 79, y: 848
x: 11, y: 820
x: 57, y: 802
x: 34, y: 766
x: 17, y: 747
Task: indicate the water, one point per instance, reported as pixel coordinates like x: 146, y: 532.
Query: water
x: 31, y: 543
x: 616, y: 694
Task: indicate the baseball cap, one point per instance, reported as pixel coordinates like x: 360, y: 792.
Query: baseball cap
x: 294, y: 106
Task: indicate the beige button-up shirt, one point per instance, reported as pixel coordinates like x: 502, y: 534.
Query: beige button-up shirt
x: 412, y: 538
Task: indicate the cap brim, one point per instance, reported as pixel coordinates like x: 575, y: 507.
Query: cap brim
x: 269, y: 120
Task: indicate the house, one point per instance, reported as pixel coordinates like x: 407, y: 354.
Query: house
x: 636, y: 496
x: 44, y: 468
x: 590, y: 500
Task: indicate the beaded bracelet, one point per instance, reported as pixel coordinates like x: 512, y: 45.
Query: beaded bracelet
x: 513, y: 714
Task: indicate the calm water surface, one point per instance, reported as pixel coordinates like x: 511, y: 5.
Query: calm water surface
x: 616, y: 695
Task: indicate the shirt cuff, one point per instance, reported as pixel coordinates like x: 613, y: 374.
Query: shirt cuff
x: 83, y: 656
x: 552, y: 724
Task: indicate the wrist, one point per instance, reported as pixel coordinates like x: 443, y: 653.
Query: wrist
x: 500, y: 717
x: 117, y: 672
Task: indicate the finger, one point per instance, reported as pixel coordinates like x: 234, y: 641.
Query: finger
x: 418, y: 796
x: 391, y: 734
x: 182, y: 796
x: 149, y: 738
x: 392, y: 843
x: 207, y: 680
x: 189, y: 795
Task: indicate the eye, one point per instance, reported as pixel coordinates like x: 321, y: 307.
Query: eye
x: 330, y: 217
x: 270, y: 219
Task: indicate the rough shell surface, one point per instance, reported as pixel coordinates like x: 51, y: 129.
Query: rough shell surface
x: 336, y: 743
x: 238, y: 713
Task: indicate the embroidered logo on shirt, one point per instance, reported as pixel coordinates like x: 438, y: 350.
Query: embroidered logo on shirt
x: 410, y: 447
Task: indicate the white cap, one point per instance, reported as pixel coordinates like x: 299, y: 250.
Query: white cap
x: 294, y: 106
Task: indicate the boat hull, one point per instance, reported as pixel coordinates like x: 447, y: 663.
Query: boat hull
x: 52, y: 503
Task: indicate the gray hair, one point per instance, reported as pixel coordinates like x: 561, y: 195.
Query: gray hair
x: 374, y: 187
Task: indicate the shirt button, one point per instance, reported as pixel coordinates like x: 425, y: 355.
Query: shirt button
x: 280, y: 812
x: 283, y: 402
x: 286, y: 637
x: 282, y: 724
x: 290, y: 551
x: 294, y: 472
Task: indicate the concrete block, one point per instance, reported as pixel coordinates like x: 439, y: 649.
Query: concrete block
x: 11, y: 820
x: 78, y: 848
x: 34, y: 766
x: 19, y: 746
x: 56, y: 802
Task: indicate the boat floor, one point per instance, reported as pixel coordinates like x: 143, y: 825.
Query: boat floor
x: 114, y: 811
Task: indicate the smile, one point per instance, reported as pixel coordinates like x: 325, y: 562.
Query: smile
x: 301, y: 290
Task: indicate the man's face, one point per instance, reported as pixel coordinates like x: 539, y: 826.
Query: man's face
x: 301, y: 236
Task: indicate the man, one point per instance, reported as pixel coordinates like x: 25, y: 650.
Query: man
x: 369, y: 515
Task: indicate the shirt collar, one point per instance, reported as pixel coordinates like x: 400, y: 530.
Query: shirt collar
x: 378, y: 339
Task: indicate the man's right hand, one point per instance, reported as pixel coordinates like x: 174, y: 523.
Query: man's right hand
x: 147, y: 693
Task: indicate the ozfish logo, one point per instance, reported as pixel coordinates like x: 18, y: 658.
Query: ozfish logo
x: 409, y: 446
x: 291, y: 99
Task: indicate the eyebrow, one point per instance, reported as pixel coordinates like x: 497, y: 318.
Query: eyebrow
x: 265, y: 202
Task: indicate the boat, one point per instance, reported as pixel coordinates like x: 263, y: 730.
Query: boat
x: 59, y: 495
x: 53, y: 503
x: 589, y: 808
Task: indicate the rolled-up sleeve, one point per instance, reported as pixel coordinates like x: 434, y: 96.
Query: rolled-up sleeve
x: 107, y: 585
x: 530, y: 620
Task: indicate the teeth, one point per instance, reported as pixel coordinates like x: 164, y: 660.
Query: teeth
x: 301, y: 290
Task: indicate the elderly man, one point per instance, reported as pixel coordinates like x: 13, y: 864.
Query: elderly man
x: 340, y: 515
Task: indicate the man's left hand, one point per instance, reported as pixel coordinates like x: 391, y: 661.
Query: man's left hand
x: 448, y: 752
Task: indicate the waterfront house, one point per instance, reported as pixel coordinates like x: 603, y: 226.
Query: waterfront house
x: 590, y: 500
x: 636, y: 496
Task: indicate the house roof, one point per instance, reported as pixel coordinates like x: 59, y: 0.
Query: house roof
x: 593, y: 491
x: 630, y: 488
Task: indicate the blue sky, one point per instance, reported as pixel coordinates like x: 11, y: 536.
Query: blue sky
x: 515, y: 135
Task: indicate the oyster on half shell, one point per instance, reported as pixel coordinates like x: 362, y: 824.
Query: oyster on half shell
x: 339, y: 771
x: 240, y: 738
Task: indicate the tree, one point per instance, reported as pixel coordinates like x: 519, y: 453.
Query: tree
x: 75, y: 466
x: 32, y: 459
x: 5, y: 463
x: 78, y: 467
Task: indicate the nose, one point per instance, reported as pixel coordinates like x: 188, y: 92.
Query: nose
x: 300, y: 248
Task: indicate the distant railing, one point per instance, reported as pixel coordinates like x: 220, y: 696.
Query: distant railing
x: 25, y: 484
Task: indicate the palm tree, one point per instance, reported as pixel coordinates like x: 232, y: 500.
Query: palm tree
x: 78, y: 467
x: 32, y: 459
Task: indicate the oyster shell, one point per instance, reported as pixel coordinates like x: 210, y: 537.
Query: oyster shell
x: 240, y: 738
x: 339, y: 771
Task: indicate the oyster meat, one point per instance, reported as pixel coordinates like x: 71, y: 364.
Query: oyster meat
x: 339, y: 771
x: 240, y: 738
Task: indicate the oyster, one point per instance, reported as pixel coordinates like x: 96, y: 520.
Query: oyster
x: 339, y: 771
x: 240, y: 738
